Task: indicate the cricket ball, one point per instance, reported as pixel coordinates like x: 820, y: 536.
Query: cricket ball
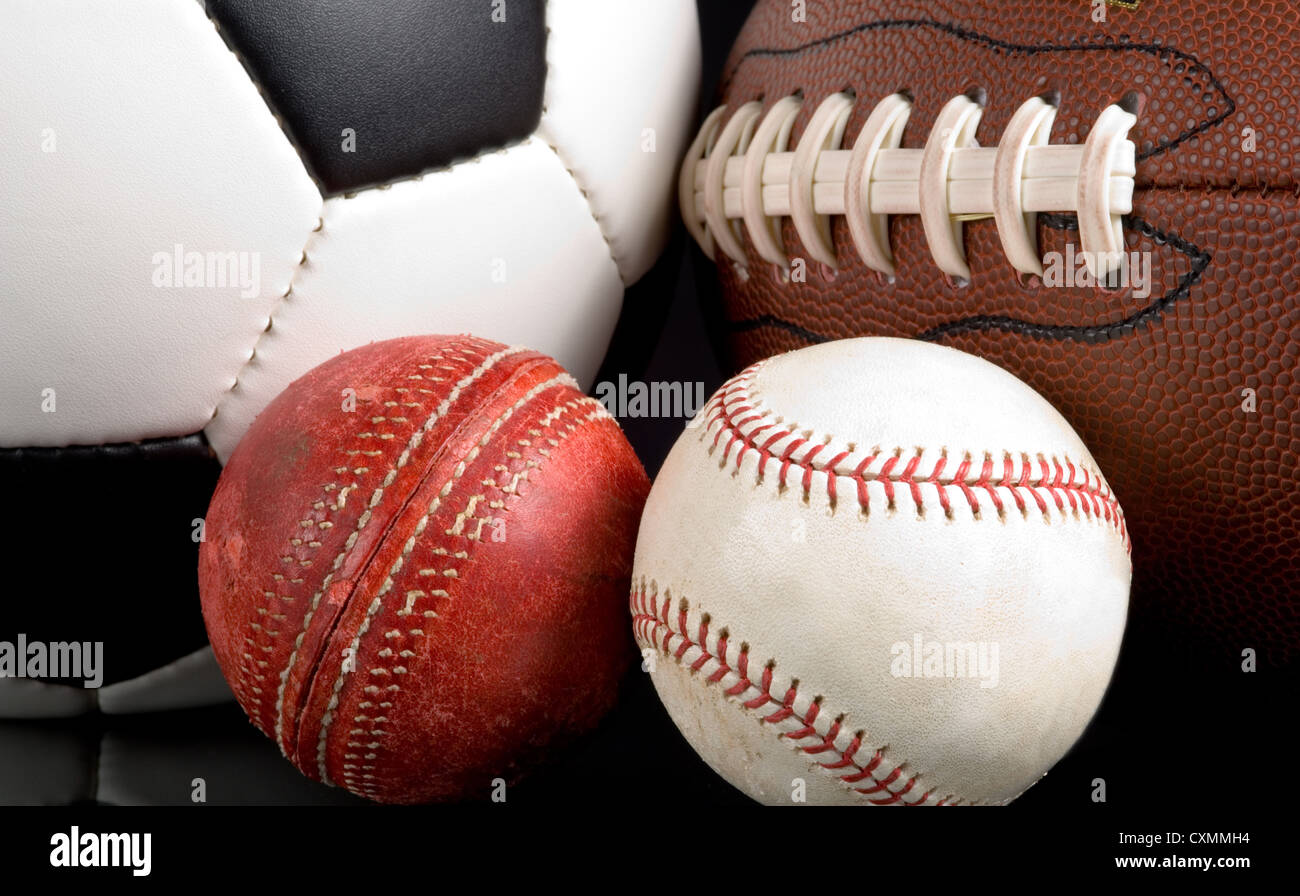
x: 414, y: 566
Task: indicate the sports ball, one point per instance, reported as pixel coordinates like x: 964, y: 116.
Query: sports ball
x: 202, y: 201
x: 1100, y: 198
x: 877, y: 571
x: 415, y: 563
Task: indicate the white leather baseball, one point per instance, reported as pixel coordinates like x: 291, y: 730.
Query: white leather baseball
x: 830, y: 507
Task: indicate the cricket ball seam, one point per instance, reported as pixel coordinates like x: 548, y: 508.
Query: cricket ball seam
x: 365, y: 771
x: 377, y: 602
x: 376, y: 497
x: 738, y: 411
x: 657, y: 628
x: 323, y: 508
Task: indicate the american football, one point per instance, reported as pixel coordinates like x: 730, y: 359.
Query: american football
x: 1100, y: 198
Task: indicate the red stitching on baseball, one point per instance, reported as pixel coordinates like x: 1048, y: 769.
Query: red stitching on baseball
x: 830, y: 481
x: 653, y: 624
x: 1091, y: 496
x: 860, y: 474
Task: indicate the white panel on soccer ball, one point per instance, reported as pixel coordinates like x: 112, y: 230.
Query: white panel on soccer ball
x: 623, y: 136
x: 134, y: 133
x: 503, y: 247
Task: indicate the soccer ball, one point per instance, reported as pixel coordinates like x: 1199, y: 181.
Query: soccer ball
x: 202, y: 202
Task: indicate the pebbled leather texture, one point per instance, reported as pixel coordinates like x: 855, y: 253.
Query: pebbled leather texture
x: 422, y: 84
x: 466, y: 534
x: 831, y: 503
x: 1153, y: 385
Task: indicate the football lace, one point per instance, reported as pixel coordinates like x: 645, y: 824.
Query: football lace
x: 741, y: 178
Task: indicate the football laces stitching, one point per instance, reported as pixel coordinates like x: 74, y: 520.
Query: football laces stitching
x: 740, y: 178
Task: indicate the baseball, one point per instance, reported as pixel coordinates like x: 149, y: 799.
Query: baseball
x: 880, y: 571
x: 414, y: 566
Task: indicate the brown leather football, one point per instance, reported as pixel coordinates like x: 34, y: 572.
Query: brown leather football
x: 1148, y: 289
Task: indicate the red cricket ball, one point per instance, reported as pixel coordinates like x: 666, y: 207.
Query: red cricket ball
x: 415, y: 566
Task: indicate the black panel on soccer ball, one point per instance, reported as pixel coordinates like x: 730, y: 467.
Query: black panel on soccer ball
x: 104, y: 537
x: 376, y: 92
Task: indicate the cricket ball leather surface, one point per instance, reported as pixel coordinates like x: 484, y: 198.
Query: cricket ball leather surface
x: 424, y: 593
x: 830, y: 507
